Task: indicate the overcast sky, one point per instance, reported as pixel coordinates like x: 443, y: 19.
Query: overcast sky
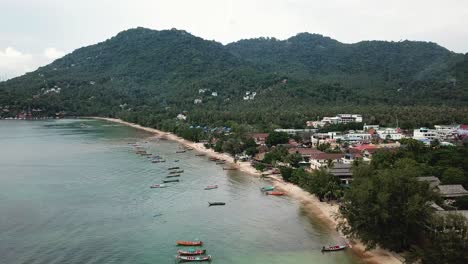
x: 35, y: 32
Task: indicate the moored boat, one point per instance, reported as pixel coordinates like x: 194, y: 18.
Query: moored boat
x: 200, y: 154
x: 158, y: 161
x: 220, y: 162
x: 173, y: 176
x: 211, y: 187
x: 275, y: 193
x: 180, y: 151
x: 176, y: 171
x: 267, y: 188
x: 158, y: 186
x: 167, y: 181
x: 214, y: 159
x: 191, y: 252
x: 189, y: 243
x: 193, y: 258
x: 216, y: 203
x: 334, y: 248
x: 173, y: 168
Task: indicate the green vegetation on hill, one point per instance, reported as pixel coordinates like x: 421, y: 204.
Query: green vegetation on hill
x: 149, y: 77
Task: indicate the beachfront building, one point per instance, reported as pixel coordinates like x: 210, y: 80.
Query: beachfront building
x: 343, y: 172
x: 330, y: 137
x: 295, y: 131
x: 323, y: 160
x: 306, y: 153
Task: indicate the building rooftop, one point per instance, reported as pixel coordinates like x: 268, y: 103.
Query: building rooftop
x: 433, y: 180
x: 453, y: 190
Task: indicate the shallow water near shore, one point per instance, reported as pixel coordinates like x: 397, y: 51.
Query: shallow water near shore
x: 73, y: 191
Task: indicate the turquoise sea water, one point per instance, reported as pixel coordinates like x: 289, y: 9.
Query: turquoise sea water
x: 79, y: 194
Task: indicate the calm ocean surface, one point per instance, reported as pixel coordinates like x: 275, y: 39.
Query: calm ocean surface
x: 73, y: 194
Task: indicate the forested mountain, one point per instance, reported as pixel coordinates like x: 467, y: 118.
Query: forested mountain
x: 151, y: 76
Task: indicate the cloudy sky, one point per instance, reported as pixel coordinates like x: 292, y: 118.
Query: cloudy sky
x: 35, y: 32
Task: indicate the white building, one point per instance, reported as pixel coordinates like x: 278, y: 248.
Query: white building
x: 390, y: 133
x: 425, y: 134
x: 338, y: 119
x: 197, y: 101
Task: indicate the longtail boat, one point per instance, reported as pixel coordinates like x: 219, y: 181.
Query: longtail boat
x: 158, y: 186
x: 334, y: 248
x: 214, y: 159
x: 176, y: 171
x: 192, y: 252
x: 220, y: 162
x: 193, y: 258
x: 216, y: 203
x: 189, y: 243
x: 173, y: 168
x: 180, y: 151
x: 211, y: 187
x: 200, y: 154
x: 276, y: 193
x: 267, y: 188
x: 167, y: 181
x: 173, y: 176
x: 158, y: 161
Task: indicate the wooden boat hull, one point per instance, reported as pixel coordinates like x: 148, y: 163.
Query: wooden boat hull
x: 193, y: 258
x: 167, y: 181
x: 216, y: 203
x: 334, y: 248
x: 173, y: 176
x: 267, y: 188
x: 158, y: 186
x: 173, y: 168
x: 189, y: 243
x: 192, y: 253
x: 211, y: 187
x: 276, y: 193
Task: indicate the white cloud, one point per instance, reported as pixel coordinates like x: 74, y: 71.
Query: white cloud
x: 14, y: 62
x: 53, y: 53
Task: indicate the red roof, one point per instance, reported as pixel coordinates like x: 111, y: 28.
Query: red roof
x: 464, y: 127
x: 364, y: 147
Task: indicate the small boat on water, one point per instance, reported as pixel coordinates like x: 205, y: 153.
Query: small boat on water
x: 158, y: 161
x: 220, y: 162
x: 167, y: 181
x: 173, y: 176
x: 146, y: 154
x: 173, y: 168
x: 267, y: 188
x: 176, y: 160
x: 176, y: 171
x: 193, y: 258
x: 334, y: 248
x: 189, y: 243
x: 158, y: 186
x: 180, y: 151
x: 216, y: 203
x: 275, y: 193
x: 229, y: 168
x: 200, y: 154
x: 191, y: 252
x: 214, y: 159
x: 211, y: 187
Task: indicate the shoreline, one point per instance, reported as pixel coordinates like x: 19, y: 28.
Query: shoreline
x: 326, y: 212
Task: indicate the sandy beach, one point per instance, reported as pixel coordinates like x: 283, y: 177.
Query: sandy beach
x: 326, y: 212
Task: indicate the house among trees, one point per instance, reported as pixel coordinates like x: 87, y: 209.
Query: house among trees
x: 259, y: 138
x: 343, y: 172
x: 432, y: 180
x: 324, y: 160
x: 452, y: 191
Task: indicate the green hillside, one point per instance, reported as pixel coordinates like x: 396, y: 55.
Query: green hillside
x: 151, y: 76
